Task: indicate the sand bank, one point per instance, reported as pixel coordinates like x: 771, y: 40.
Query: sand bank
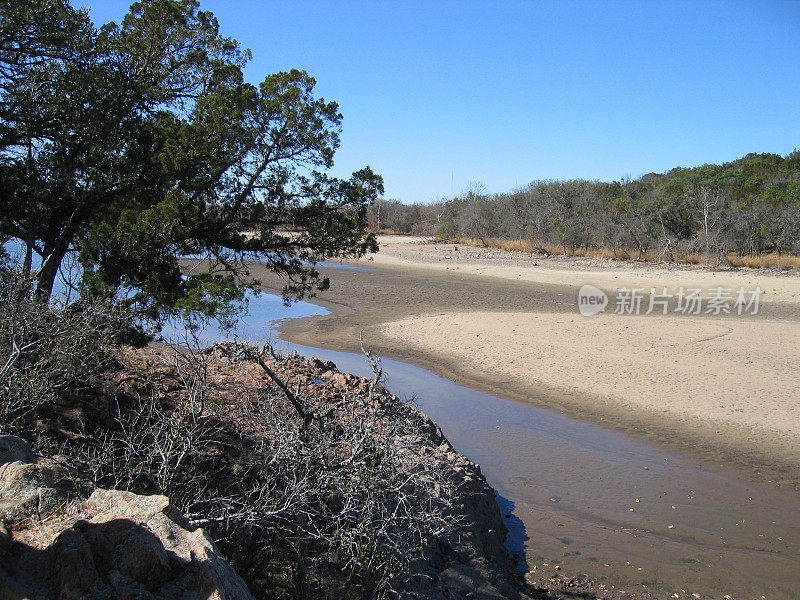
x: 400, y: 251
x: 723, y: 386
x: 722, y: 389
x: 735, y: 372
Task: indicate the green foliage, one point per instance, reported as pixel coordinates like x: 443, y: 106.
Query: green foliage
x: 137, y: 143
x: 748, y: 206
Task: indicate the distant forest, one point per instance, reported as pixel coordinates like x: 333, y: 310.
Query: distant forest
x: 748, y: 207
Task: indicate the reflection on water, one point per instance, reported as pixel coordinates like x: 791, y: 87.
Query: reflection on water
x: 262, y: 312
x: 333, y: 264
x: 517, y: 538
x: 594, y: 499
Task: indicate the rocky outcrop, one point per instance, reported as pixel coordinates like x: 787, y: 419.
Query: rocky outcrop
x: 13, y: 448
x: 26, y: 492
x: 121, y: 545
x: 472, y: 561
x: 114, y: 545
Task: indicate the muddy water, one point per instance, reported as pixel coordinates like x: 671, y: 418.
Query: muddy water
x: 640, y: 520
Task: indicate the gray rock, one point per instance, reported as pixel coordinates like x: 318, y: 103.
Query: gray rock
x: 472, y: 560
x: 322, y: 365
x: 26, y: 492
x: 465, y: 580
x: 13, y: 449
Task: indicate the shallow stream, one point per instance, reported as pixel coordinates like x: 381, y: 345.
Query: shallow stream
x: 579, y: 498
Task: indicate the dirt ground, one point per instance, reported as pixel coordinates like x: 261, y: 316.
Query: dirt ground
x: 718, y: 387
x: 508, y: 323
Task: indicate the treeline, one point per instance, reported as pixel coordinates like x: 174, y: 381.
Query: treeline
x: 750, y: 206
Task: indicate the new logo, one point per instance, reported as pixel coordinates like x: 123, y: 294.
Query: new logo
x: 591, y: 300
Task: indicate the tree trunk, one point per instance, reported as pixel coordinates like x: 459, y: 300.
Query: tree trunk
x: 27, y: 263
x: 47, y: 274
x: 52, y: 259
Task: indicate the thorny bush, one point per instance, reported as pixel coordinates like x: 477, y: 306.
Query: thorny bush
x: 314, y: 491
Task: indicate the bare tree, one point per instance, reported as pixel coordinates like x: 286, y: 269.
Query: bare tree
x: 706, y: 201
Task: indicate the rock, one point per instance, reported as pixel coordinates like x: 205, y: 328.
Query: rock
x: 5, y: 539
x: 322, y: 366
x: 26, y: 492
x: 472, y: 559
x: 462, y: 579
x: 13, y: 449
x: 120, y: 545
x: 336, y: 378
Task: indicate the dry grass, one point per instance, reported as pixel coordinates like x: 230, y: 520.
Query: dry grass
x: 509, y: 245
x: 554, y: 250
x: 609, y: 254
x: 764, y: 261
x: 518, y: 246
x: 689, y: 259
x: 387, y: 231
x: 512, y: 245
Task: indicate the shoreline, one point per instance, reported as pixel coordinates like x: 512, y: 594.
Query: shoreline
x: 777, y: 461
x: 728, y: 401
x: 605, y: 551
x: 595, y: 519
x: 359, y: 301
x: 779, y: 286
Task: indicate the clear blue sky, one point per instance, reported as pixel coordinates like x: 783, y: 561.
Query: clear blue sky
x: 438, y: 94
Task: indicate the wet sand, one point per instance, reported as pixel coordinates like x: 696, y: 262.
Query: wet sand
x: 731, y: 397
x: 760, y: 464
x: 627, y: 514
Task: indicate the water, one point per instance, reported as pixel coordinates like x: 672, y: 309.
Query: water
x: 584, y: 497
x: 263, y: 312
x: 592, y: 499
x: 332, y: 264
x: 269, y: 305
x: 67, y: 277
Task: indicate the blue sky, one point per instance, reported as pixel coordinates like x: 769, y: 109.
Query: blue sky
x: 436, y: 95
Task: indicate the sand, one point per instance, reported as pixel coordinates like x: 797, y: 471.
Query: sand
x: 508, y: 324
x: 400, y: 251
x: 736, y: 372
x: 723, y: 389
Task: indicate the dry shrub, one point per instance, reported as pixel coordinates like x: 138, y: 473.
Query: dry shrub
x: 320, y: 491
x: 764, y: 261
x: 548, y: 249
x: 619, y: 253
x: 614, y: 253
x: 48, y: 350
x: 689, y: 258
x: 605, y: 253
x: 526, y: 246
x: 473, y: 242
x: 311, y: 490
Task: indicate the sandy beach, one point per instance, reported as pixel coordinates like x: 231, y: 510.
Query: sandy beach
x: 407, y: 251
x: 719, y: 389
x: 508, y: 323
x: 726, y: 377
